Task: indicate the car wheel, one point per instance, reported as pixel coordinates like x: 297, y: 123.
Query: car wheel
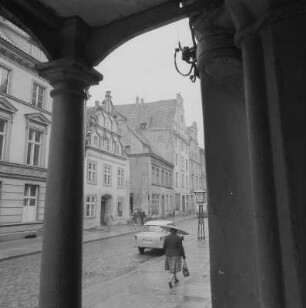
x: 141, y: 249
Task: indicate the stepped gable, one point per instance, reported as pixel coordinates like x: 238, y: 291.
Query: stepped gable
x: 157, y: 114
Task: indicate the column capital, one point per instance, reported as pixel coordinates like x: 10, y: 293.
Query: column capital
x: 79, y: 75
x: 217, y: 55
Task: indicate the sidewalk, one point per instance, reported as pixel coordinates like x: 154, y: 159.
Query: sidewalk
x: 24, y: 247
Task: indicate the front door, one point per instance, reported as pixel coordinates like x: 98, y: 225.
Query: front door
x: 29, y: 212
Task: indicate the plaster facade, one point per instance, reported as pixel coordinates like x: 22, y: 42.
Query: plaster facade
x: 25, y: 118
x: 106, y: 176
x: 159, y: 128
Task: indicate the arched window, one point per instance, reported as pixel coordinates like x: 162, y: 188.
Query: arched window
x: 106, y: 144
x: 96, y: 141
x: 117, y: 148
x: 101, y: 120
x: 113, y: 146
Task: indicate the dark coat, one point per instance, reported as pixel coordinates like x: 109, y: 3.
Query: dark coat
x: 173, y: 246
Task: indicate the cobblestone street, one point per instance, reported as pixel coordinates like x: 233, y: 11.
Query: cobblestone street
x: 104, y: 261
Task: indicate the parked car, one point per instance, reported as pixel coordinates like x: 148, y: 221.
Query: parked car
x: 152, y: 235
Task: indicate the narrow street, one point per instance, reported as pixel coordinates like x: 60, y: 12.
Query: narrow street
x: 106, y: 265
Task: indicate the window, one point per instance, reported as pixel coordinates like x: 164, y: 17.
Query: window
x: 37, y: 130
x: 157, y: 176
x: 91, y: 172
x: 107, y: 174
x: 155, y: 204
x: 176, y: 159
x: 30, y: 195
x: 162, y: 177
x: 119, y: 206
x: 113, y: 146
x: 186, y: 165
x: 153, y: 175
x: 96, y: 141
x: 90, y: 207
x: 4, y: 79
x: 183, y: 181
x: 176, y: 179
x: 117, y: 148
x: 38, y: 95
x: 106, y: 144
x: 120, y: 175
x: 3, y: 126
x: 34, y: 147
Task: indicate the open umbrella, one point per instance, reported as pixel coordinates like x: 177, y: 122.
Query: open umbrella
x: 179, y: 231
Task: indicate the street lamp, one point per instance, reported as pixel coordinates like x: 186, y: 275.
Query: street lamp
x: 200, y: 198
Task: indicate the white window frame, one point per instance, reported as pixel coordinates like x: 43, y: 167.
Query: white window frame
x: 27, y: 196
x: 120, y: 177
x: 4, y: 68
x: 91, y: 171
x: 32, y: 145
x: 35, y: 101
x: 90, y: 206
x: 3, y: 135
x: 107, y: 175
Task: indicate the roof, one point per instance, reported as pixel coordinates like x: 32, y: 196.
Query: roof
x: 159, y: 114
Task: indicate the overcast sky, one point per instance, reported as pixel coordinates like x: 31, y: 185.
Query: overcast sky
x: 144, y: 67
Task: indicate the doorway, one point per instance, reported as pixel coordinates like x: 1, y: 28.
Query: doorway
x: 29, y: 212
x: 105, y: 208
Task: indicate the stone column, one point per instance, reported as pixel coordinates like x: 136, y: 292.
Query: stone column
x: 231, y: 215
x: 274, y: 75
x: 282, y: 31
x: 61, y: 267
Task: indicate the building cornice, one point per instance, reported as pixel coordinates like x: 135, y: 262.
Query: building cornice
x: 153, y: 156
x: 20, y: 171
x: 18, y: 100
x: 89, y: 147
x: 17, y: 56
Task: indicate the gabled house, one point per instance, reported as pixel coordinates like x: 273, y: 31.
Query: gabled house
x: 106, y: 182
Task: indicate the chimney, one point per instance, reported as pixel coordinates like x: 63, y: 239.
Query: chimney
x: 97, y: 103
x: 137, y: 100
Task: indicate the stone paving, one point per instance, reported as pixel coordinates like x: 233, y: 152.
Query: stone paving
x: 147, y: 287
x: 114, y: 265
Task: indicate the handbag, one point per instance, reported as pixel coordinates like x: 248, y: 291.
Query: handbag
x: 185, y: 269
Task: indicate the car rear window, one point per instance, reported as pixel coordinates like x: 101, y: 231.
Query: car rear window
x: 152, y: 229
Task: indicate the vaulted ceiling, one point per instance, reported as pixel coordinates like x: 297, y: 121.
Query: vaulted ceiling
x: 92, y: 28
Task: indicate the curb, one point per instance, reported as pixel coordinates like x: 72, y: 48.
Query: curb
x: 25, y: 254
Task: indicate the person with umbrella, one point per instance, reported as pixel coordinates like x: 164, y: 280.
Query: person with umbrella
x: 174, y: 251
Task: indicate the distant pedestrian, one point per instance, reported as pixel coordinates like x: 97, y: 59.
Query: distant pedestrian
x: 142, y: 217
x: 108, y: 221
x: 174, y: 252
x: 134, y: 219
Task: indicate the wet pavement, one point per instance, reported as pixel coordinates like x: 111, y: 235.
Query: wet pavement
x: 147, y: 285
x: 116, y: 275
